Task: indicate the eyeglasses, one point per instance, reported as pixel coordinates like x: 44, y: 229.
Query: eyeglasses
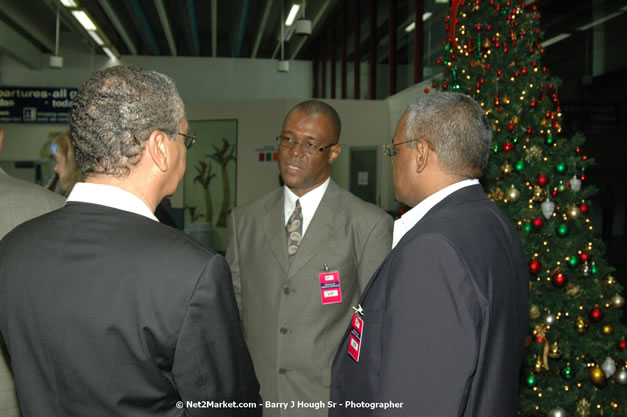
x: 391, y: 150
x: 307, y: 147
x: 189, y: 138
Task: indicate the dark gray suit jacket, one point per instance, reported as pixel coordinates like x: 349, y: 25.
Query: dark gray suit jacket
x: 445, y: 318
x: 108, y: 313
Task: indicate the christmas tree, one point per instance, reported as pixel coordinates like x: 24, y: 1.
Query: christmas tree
x: 575, y: 362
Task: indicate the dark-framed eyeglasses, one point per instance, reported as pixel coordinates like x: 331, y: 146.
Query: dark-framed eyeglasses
x: 307, y: 147
x: 189, y: 138
x: 391, y: 150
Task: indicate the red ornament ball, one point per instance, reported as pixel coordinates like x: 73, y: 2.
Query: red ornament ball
x: 499, y: 73
x: 537, y: 223
x: 535, y: 266
x: 596, y: 314
x: 508, y: 146
x: 584, y: 257
x: 529, y: 131
x: 559, y: 280
x: 584, y: 207
x: 489, y: 27
x: 510, y: 126
x: 488, y: 66
x: 524, y: 70
x: 622, y: 344
x: 544, y: 69
x: 543, y: 179
x: 479, y: 27
x: 445, y: 86
x: 554, y: 192
x: 427, y: 90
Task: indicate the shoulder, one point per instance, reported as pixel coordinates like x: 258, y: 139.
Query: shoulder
x: 13, y: 188
x: 354, y: 207
x: 261, y: 205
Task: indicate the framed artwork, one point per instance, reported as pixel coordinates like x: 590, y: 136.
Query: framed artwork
x: 210, y: 181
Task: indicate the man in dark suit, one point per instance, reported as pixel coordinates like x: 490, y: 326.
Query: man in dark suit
x: 300, y: 257
x: 104, y: 311
x: 440, y: 328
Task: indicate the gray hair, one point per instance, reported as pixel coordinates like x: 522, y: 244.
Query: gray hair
x: 310, y: 107
x: 114, y: 113
x: 456, y: 127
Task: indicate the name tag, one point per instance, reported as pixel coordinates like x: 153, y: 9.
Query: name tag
x: 354, y: 338
x: 330, y: 289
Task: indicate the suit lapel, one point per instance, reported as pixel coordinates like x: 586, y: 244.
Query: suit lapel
x: 274, y: 229
x: 320, y: 230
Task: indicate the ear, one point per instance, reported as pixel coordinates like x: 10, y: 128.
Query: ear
x: 421, y: 155
x: 156, y: 147
x: 335, y: 152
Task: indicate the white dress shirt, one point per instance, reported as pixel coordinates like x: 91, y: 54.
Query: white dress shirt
x: 413, y: 216
x: 309, y: 203
x: 110, y: 196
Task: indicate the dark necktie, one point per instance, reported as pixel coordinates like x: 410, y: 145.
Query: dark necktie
x: 294, y: 229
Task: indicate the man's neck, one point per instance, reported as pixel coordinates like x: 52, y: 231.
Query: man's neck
x: 126, y: 183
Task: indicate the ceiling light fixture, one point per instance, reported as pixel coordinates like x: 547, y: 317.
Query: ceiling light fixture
x: 292, y: 14
x: 94, y: 35
x: 69, y: 3
x: 84, y: 19
x: 599, y: 21
x: 555, y: 39
x: 410, y: 27
x: 109, y: 53
x: 426, y: 16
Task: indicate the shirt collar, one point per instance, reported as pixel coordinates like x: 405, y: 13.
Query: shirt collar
x: 413, y: 216
x: 110, y: 196
x: 309, y: 202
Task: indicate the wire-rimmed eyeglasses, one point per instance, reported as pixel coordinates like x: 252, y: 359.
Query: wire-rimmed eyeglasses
x: 391, y: 150
x: 307, y: 147
x: 189, y: 138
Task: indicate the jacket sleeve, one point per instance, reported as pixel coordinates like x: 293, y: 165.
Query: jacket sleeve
x: 232, y: 257
x: 378, y: 244
x: 211, y: 360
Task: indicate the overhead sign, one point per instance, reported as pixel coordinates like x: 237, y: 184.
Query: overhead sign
x: 36, y: 105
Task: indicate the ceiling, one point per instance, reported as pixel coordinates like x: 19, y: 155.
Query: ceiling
x: 251, y: 28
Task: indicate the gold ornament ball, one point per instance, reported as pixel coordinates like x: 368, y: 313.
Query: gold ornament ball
x: 596, y: 375
x: 538, y: 366
x: 543, y: 122
x: 608, y: 330
x: 573, y: 290
x: 515, y: 119
x: 573, y: 212
x: 581, y: 325
x: 555, y: 352
x: 534, y: 312
x: 610, y: 280
x: 513, y: 194
x: 506, y: 169
x: 486, y: 43
x: 618, y: 301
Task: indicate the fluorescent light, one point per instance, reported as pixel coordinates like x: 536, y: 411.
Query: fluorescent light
x: 292, y: 14
x: 410, y: 27
x: 441, y: 1
x: 84, y: 20
x: 69, y: 3
x: 599, y: 21
x: 426, y: 16
x: 108, y: 52
x: 555, y: 39
x: 96, y: 37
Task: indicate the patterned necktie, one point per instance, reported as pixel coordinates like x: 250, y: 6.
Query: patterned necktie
x: 294, y: 231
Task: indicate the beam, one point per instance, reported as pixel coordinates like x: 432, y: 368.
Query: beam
x: 242, y: 28
x: 262, y: 27
x: 17, y: 47
x: 321, y: 12
x: 113, y: 17
x: 21, y: 18
x: 143, y: 26
x: 214, y: 28
x: 165, y: 22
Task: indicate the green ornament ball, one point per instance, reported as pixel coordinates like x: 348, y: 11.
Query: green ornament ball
x: 562, y: 230
x: 567, y: 372
x: 560, y: 168
x: 527, y: 227
x: 520, y: 165
x: 573, y: 261
x: 531, y: 381
x: 549, y: 140
x: 495, y: 148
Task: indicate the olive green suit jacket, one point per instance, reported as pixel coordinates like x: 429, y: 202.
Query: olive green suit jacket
x: 291, y: 335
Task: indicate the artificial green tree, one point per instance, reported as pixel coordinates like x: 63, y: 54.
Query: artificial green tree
x: 575, y: 361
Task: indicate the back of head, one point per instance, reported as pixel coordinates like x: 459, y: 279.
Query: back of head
x: 456, y: 127
x: 114, y: 113
x: 310, y: 107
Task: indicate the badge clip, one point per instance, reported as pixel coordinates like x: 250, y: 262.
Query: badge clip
x: 359, y: 310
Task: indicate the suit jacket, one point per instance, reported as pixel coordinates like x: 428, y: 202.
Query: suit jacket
x: 19, y: 201
x: 445, y: 318
x: 104, y: 312
x: 292, y: 336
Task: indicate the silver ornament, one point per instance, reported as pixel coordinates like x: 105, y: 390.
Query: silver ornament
x: 575, y: 183
x: 609, y: 368
x: 621, y: 376
x: 547, y: 208
x: 557, y: 412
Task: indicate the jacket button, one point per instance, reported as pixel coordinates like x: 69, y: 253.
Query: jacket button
x: 283, y: 330
x: 286, y: 291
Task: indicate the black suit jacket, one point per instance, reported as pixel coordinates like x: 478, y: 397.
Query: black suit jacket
x: 445, y: 318
x: 107, y: 313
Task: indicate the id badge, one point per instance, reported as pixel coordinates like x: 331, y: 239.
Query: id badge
x: 330, y: 289
x: 355, y: 336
